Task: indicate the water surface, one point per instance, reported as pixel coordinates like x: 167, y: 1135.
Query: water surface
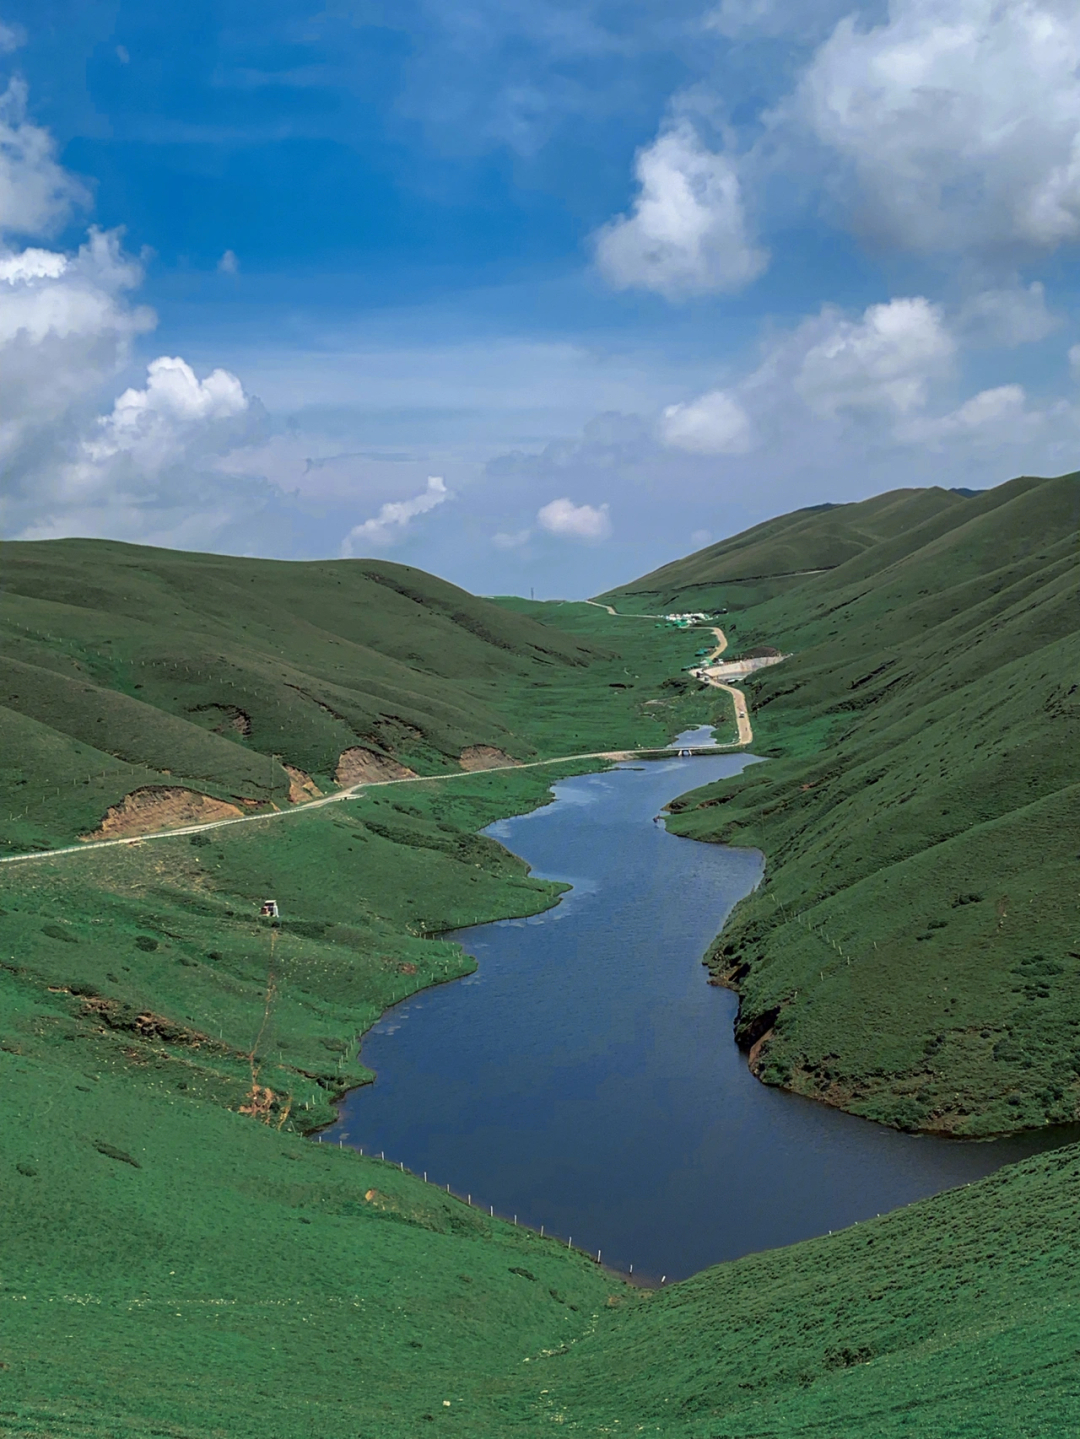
x: 585, y: 1077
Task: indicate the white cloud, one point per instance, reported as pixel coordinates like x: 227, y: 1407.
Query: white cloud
x: 831, y: 369
x: 1012, y: 315
x: 992, y: 417
x: 838, y: 390
x: 512, y: 540
x: 883, y: 361
x: 700, y: 538
x: 36, y: 194
x: 147, y: 468
x: 174, y: 419
x: 575, y: 522
x: 687, y: 233
x: 66, y: 327
x: 393, y: 518
x: 713, y: 424
x: 11, y: 37
x: 228, y: 264
x: 959, y: 120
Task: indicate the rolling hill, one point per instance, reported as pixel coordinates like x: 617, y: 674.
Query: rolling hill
x: 914, y: 953
x: 128, y: 670
x: 179, y: 1259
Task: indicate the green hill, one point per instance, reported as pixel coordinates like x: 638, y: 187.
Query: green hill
x: 179, y: 1260
x: 914, y: 953
x: 124, y: 668
x: 773, y: 557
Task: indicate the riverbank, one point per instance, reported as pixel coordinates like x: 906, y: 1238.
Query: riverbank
x: 911, y: 956
x: 588, y: 1038
x: 151, y: 1234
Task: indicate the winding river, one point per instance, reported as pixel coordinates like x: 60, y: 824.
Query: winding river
x: 585, y: 1077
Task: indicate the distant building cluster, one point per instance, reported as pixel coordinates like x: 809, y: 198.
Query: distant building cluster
x: 683, y: 621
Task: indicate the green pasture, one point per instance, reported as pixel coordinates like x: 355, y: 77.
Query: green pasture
x: 180, y: 1256
x: 915, y: 948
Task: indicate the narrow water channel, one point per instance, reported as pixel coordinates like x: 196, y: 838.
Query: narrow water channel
x: 585, y: 1078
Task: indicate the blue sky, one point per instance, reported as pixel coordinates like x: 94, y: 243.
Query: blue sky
x: 530, y: 294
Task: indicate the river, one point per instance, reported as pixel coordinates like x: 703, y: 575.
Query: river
x: 585, y: 1078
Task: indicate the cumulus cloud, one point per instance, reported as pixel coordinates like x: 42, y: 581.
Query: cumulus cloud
x: 847, y: 385
x: 66, y: 327
x: 959, y: 121
x: 833, y: 368
x: 172, y: 423
x: 992, y: 417
x: 36, y: 194
x: 393, y: 518
x: 687, y: 233
x: 146, y: 465
x: 1010, y: 315
x: 228, y: 264
x: 713, y: 424
x: 883, y: 361
x: 149, y: 469
x: 575, y: 522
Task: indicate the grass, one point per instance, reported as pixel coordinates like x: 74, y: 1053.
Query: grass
x: 126, y: 667
x: 179, y: 1259
x: 914, y: 954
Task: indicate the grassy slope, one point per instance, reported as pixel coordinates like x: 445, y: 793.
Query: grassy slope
x: 124, y: 666
x: 915, y: 950
x: 237, y: 1280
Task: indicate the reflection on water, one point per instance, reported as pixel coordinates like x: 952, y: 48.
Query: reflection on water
x: 585, y: 1077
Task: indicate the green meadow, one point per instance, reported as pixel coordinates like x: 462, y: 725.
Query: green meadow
x: 914, y: 954
x: 181, y: 1257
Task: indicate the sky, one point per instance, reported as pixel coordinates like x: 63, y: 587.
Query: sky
x: 535, y: 294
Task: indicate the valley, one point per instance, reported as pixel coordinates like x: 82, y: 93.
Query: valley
x: 181, y: 1258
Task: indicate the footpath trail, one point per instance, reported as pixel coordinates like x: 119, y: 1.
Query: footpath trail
x: 742, y: 720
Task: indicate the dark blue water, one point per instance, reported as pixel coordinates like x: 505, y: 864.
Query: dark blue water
x: 585, y: 1078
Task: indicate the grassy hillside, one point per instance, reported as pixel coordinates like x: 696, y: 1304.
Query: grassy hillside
x: 773, y: 557
x: 124, y: 668
x: 914, y: 954
x: 179, y: 1259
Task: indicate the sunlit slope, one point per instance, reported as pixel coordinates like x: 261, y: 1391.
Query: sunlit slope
x: 123, y: 666
x: 914, y: 954
x: 177, y: 1258
x: 955, y: 1316
x: 771, y: 557
x: 175, y: 1262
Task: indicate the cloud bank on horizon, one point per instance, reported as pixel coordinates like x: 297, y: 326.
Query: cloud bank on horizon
x: 812, y: 253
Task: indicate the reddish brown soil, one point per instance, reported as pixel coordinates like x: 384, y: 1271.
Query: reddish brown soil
x: 301, y: 785
x: 159, y: 806
x: 485, y: 756
x: 364, y: 766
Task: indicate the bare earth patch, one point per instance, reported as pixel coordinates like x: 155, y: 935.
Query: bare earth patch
x: 364, y: 766
x: 301, y: 785
x: 485, y: 756
x: 158, y: 806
